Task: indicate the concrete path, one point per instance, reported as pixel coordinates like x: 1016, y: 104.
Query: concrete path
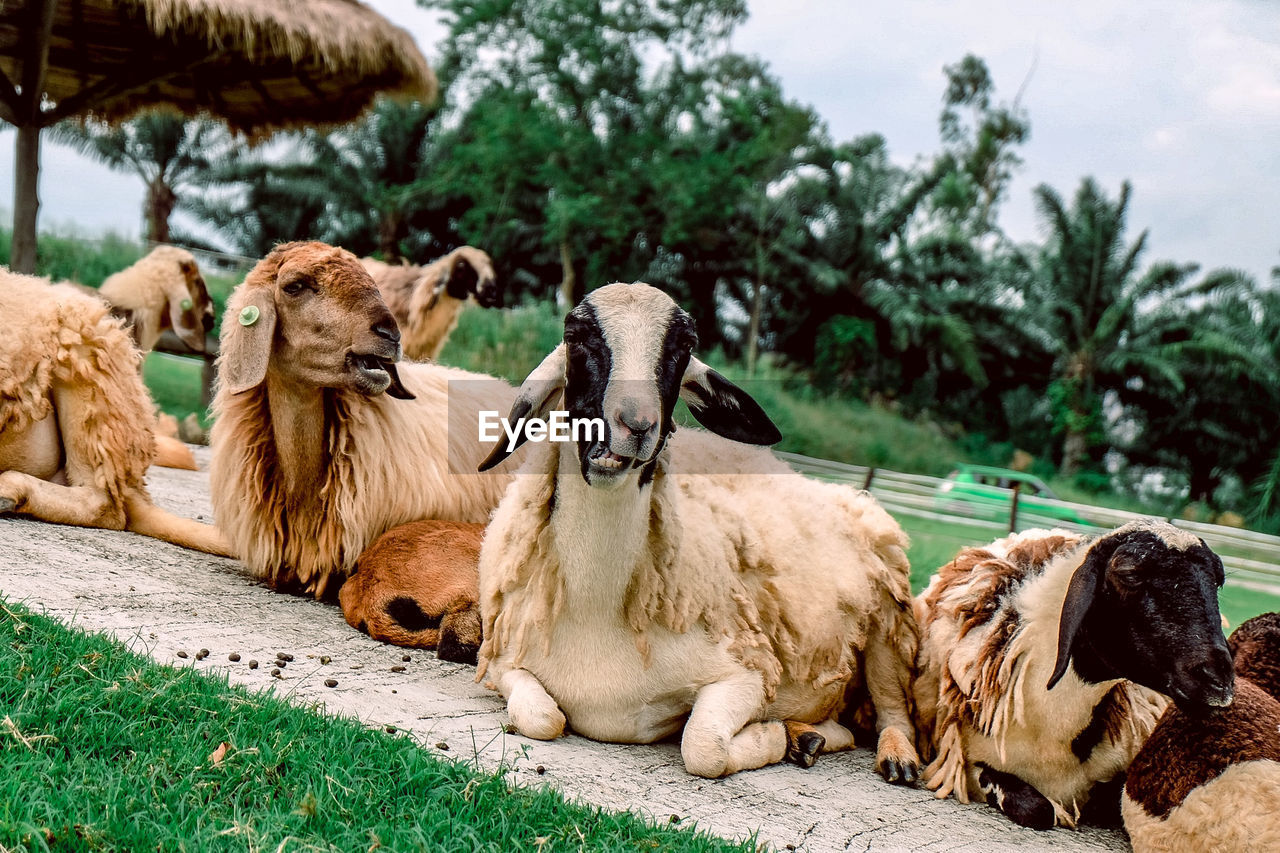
x: 160, y: 599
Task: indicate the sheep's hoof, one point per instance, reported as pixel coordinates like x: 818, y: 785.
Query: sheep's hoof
x: 803, y: 750
x: 7, y: 505
x: 900, y: 772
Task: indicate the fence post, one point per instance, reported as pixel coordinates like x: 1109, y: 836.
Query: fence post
x: 1013, y: 509
x: 866, y: 484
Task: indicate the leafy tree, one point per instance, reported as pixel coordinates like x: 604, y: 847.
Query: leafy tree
x: 979, y: 139
x: 1095, y: 306
x: 170, y: 153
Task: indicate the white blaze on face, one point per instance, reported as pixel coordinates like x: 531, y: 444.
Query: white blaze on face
x: 633, y: 318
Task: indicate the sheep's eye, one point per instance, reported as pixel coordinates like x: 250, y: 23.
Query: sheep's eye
x: 296, y: 286
x: 1126, y: 577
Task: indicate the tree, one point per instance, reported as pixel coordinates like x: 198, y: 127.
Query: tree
x: 170, y: 154
x: 1095, y: 306
x: 584, y: 62
x: 980, y: 139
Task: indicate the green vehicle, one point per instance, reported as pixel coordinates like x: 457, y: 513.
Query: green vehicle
x: 981, y: 491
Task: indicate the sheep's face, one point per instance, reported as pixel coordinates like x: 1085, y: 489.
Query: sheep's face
x: 1144, y: 606
x: 313, y: 314
x: 190, y: 308
x: 627, y: 357
x: 473, y: 276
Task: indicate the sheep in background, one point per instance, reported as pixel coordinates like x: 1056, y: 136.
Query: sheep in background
x: 426, y: 301
x: 1043, y: 657
x: 75, y: 418
x: 628, y: 595
x: 416, y: 586
x: 163, y: 290
x: 321, y: 443
x: 1212, y: 782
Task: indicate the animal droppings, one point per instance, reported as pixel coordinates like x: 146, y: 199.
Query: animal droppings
x: 406, y: 658
x: 281, y: 664
x: 331, y: 682
x: 397, y: 669
x: 181, y: 654
x: 253, y: 664
x: 540, y: 770
x: 325, y: 659
x: 443, y: 746
x: 233, y: 657
x: 283, y: 656
x: 275, y: 673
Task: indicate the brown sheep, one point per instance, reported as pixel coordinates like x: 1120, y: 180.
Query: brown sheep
x: 416, y: 586
x: 163, y: 290
x: 323, y: 442
x: 1212, y: 782
x: 426, y: 301
x: 75, y: 419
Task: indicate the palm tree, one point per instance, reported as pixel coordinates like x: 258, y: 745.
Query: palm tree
x: 1101, y: 315
x: 167, y: 151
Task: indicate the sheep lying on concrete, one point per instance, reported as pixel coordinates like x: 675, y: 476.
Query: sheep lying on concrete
x: 416, y: 586
x: 1043, y: 657
x: 426, y: 301
x: 1212, y: 781
x: 629, y: 595
x: 163, y: 290
x: 75, y: 419
x: 321, y: 444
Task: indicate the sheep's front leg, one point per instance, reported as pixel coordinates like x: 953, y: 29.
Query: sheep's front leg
x: 84, y: 506
x: 720, y: 737
x: 888, y: 682
x: 532, y: 710
x: 1023, y: 804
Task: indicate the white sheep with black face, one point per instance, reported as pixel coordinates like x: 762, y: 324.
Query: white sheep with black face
x: 644, y: 582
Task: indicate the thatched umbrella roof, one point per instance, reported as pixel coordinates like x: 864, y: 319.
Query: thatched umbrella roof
x: 261, y: 65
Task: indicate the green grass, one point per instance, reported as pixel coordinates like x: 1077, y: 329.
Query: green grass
x: 101, y: 749
x: 70, y: 256
x: 174, y: 383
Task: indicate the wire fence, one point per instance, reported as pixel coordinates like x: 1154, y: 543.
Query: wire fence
x: 1251, y: 559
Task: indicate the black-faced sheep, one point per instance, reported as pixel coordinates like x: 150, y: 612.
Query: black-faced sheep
x: 631, y: 596
x: 1212, y: 781
x: 161, y: 291
x: 75, y: 420
x: 416, y: 586
x: 321, y: 445
x: 426, y: 301
x: 1045, y: 660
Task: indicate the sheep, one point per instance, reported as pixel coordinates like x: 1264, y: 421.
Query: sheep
x: 1046, y: 659
x: 416, y: 586
x: 163, y: 290
x: 320, y: 443
x: 426, y: 301
x: 1213, y: 782
x: 629, y: 596
x: 75, y: 419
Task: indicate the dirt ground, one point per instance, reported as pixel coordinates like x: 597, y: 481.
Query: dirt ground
x: 162, y: 600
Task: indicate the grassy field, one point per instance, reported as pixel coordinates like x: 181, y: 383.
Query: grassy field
x: 101, y: 749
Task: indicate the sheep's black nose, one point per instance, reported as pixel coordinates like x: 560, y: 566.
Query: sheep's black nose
x: 207, y: 320
x: 387, y: 329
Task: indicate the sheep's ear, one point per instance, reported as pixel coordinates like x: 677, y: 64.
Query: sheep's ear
x: 724, y: 408
x: 539, y: 392
x: 247, y: 336
x: 1081, y: 592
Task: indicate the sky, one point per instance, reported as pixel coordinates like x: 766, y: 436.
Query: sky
x: 1180, y: 97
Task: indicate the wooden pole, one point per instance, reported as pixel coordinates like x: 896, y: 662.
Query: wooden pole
x: 26, y: 201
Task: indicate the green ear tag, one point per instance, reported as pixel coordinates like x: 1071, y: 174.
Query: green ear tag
x: 249, y: 315
x: 186, y: 304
